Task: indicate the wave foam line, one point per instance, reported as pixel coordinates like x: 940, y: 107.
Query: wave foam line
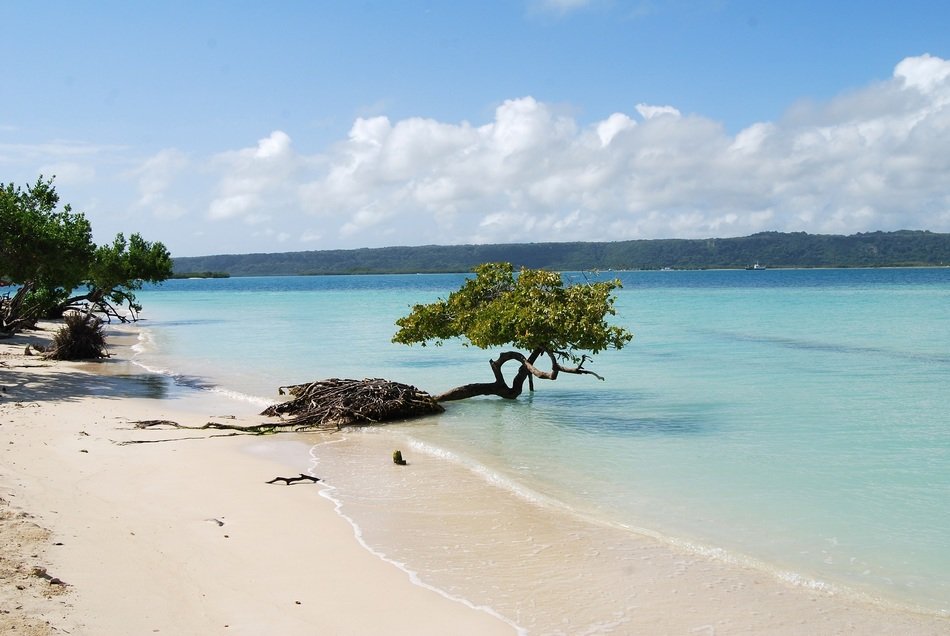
x: 327, y: 490
x: 489, y: 476
x: 200, y: 384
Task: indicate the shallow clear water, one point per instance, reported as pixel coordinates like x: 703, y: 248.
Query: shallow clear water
x: 796, y: 420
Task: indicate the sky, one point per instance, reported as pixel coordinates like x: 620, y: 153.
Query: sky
x: 240, y: 127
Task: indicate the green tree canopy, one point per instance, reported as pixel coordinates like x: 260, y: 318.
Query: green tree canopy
x: 532, y: 311
x: 38, y: 243
x: 119, y: 269
x: 49, y: 252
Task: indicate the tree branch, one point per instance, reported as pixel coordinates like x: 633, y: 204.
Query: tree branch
x: 293, y: 480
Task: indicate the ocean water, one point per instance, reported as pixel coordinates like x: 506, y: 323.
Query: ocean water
x: 795, y: 421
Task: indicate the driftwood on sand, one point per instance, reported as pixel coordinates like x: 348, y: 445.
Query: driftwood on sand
x: 324, y: 405
x: 336, y: 403
x: 294, y: 480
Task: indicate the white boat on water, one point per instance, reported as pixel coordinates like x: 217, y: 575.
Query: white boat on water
x: 756, y: 267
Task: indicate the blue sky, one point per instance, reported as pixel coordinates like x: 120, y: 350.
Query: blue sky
x: 227, y: 127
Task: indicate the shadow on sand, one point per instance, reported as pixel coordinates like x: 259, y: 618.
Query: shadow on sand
x: 20, y: 381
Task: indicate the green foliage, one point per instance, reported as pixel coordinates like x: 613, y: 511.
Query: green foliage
x: 43, y: 302
x: 80, y: 338
x: 117, y: 270
x: 49, y: 252
x: 531, y: 311
x: 39, y: 244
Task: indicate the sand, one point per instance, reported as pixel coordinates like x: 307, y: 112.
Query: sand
x: 177, y: 537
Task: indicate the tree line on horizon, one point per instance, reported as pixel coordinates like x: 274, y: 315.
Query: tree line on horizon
x: 904, y: 248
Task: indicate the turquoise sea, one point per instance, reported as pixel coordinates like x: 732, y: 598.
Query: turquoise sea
x: 797, y: 421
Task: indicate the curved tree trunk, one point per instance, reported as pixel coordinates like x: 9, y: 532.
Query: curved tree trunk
x: 466, y: 391
x: 526, y: 371
x: 499, y: 387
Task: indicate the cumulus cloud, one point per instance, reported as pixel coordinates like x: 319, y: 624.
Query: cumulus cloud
x: 870, y: 159
x: 648, y: 111
x: 616, y: 123
x: 925, y: 72
x: 257, y: 182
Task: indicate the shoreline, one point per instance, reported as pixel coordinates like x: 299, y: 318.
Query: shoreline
x: 181, y: 537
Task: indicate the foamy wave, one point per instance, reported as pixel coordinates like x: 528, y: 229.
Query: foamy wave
x: 489, y: 476
x: 200, y: 384
x: 242, y: 397
x: 144, y: 343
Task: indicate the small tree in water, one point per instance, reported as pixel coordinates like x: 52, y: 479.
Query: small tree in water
x: 533, y: 312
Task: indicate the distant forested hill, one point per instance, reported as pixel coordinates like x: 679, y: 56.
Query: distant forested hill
x: 771, y: 249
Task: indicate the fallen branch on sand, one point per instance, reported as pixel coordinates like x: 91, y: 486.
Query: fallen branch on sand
x: 253, y: 429
x: 293, y: 480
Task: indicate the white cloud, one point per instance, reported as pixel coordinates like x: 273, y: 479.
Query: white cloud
x: 873, y: 159
x: 649, y: 112
x: 236, y: 205
x: 610, y: 127
x: 926, y: 73
x: 258, y: 182
x: 365, y: 218
x: 750, y: 140
x: 277, y: 145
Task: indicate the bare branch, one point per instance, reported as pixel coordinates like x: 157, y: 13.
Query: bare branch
x: 293, y: 480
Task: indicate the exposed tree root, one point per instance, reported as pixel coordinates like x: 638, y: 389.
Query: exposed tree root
x: 335, y: 403
x: 321, y: 406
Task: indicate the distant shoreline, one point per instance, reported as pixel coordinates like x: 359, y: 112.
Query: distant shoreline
x: 601, y: 271
x: 774, y: 250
